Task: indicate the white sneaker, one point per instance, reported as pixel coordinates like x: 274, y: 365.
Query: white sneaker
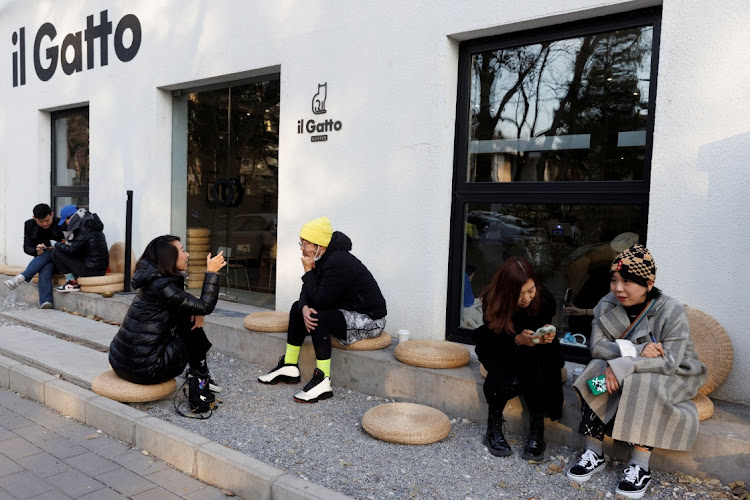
x: 289, y: 374
x: 46, y: 305
x: 634, y: 482
x: 587, y: 465
x: 317, y: 389
x: 15, y: 281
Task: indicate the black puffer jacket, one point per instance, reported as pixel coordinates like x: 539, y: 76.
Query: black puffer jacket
x: 86, y: 242
x: 340, y: 281
x: 147, y: 349
x: 33, y: 235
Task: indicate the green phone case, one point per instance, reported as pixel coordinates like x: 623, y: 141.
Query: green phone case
x: 598, y: 385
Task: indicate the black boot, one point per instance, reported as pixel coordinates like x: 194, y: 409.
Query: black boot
x: 494, y: 439
x: 200, y: 397
x: 535, y: 445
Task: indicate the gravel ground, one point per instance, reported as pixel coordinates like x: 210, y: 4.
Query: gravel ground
x: 325, y: 444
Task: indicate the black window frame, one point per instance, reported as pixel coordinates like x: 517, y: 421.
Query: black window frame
x: 64, y: 191
x: 631, y: 192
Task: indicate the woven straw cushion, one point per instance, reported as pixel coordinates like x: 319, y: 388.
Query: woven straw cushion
x: 107, y: 279
x: 57, y: 279
x: 198, y: 283
x: 191, y: 241
x: 267, y: 321
x: 104, y: 289
x: 705, y: 407
x: 117, y: 258
x: 380, y: 342
x: 432, y: 354
x: 13, y: 270
x: 713, y: 347
x: 109, y: 385
x: 563, y: 372
x: 198, y: 232
x: 198, y: 257
x: 406, y: 423
x: 197, y: 248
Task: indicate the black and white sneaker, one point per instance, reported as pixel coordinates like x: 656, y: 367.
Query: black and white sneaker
x: 587, y: 465
x: 317, y: 389
x: 634, y: 483
x: 289, y: 374
x: 70, y: 286
x: 212, y: 384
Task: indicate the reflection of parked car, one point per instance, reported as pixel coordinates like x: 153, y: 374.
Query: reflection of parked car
x: 251, y: 236
x: 493, y: 227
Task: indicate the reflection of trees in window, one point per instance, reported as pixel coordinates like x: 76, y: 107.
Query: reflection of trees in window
x: 78, y: 149
x: 579, y: 92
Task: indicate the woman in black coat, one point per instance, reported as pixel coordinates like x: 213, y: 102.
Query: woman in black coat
x: 163, y: 328
x: 515, y: 305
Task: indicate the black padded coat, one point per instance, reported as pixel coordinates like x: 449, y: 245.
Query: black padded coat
x: 149, y: 347
x: 33, y: 235
x: 86, y: 243
x: 340, y: 281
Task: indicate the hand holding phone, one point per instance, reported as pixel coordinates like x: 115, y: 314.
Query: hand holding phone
x: 545, y: 330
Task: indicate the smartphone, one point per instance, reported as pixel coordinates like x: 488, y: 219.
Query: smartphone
x: 568, y: 297
x: 541, y: 332
x: 598, y: 385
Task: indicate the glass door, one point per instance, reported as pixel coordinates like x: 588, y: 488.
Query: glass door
x: 232, y: 187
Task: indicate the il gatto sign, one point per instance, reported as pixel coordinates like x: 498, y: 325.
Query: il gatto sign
x: 96, y: 35
x: 319, y: 128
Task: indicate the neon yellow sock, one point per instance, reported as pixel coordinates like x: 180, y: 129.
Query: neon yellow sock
x: 324, y: 365
x: 292, y: 354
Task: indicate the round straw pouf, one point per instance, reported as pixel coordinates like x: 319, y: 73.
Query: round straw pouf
x: 713, y: 347
x: 380, y: 342
x: 198, y: 232
x: 406, y: 423
x: 194, y: 283
x: 13, y: 270
x: 109, y: 385
x: 107, y: 279
x: 199, y: 256
x: 193, y: 249
x: 110, y: 288
x: 705, y: 407
x: 198, y: 241
x: 432, y: 354
x: 117, y: 258
x: 267, y: 321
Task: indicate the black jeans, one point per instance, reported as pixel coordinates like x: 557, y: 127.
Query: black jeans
x: 67, y: 264
x: 330, y: 322
x: 196, y: 344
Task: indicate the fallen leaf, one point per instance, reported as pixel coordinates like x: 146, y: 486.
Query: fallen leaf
x: 145, y: 452
x: 554, y: 469
x: 227, y: 493
x: 91, y: 436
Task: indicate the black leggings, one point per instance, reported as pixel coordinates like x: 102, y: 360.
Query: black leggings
x: 592, y: 426
x: 196, y: 345
x: 330, y: 322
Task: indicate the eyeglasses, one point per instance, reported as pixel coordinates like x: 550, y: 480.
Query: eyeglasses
x: 302, y: 243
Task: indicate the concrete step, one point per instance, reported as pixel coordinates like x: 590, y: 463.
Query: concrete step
x: 94, y: 334
x: 722, y: 449
x: 76, y: 363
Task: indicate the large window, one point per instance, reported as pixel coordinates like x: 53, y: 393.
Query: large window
x: 70, y: 158
x: 553, y: 141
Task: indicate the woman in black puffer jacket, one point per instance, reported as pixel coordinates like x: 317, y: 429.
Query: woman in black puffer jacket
x: 163, y: 328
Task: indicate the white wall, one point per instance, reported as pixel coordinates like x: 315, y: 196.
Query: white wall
x: 385, y: 179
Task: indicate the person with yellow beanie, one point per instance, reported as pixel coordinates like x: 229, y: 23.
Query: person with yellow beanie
x: 339, y: 297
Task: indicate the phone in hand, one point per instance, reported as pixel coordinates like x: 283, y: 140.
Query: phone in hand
x: 598, y: 385
x: 541, y: 332
x: 568, y: 297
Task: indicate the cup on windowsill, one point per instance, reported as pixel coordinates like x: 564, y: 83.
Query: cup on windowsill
x: 403, y: 336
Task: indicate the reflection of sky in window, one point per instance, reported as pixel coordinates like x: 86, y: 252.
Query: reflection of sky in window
x: 531, y: 109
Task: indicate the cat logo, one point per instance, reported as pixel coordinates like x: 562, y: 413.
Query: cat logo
x: 319, y: 99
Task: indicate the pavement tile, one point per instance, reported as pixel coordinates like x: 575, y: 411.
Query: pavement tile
x: 157, y: 494
x: 207, y: 493
x: 5, y: 433
x: 4, y: 495
x: 26, y: 407
x: 106, y: 494
x: 43, y: 464
x: 36, y: 433
x: 126, y: 482
x: 105, y: 446
x: 18, y: 448
x: 139, y: 463
x: 175, y: 481
x: 62, y: 447
x: 8, y: 466
x: 91, y: 464
x: 52, y: 420
x: 51, y: 495
x: 12, y: 421
x: 75, y: 484
x: 24, y: 485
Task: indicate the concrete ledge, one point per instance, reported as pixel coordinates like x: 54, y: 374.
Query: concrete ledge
x: 170, y: 443
x: 67, y: 399
x: 29, y: 381
x: 290, y: 487
x: 118, y: 419
x: 5, y: 365
x: 245, y: 476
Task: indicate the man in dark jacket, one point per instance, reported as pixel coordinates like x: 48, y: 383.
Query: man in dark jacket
x: 39, y: 234
x: 85, y: 251
x: 339, y: 297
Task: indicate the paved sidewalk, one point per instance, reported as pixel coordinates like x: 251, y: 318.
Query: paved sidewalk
x: 44, y: 455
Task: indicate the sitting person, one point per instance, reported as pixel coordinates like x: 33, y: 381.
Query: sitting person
x: 39, y: 234
x: 515, y: 305
x: 163, y: 328
x: 339, y: 297
x: 640, y: 342
x: 84, y: 252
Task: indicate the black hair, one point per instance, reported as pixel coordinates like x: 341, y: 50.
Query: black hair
x: 42, y: 210
x: 162, y: 254
x: 653, y: 293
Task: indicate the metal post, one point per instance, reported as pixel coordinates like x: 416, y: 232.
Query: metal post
x: 128, y: 238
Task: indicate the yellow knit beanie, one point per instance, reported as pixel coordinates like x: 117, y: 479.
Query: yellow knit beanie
x: 317, y: 231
